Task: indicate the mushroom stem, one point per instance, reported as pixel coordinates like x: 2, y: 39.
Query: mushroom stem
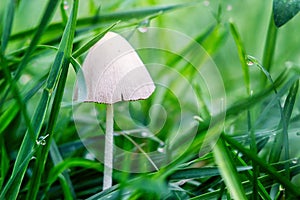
x: 108, y: 152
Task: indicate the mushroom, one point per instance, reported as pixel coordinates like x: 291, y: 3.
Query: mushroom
x: 114, y: 72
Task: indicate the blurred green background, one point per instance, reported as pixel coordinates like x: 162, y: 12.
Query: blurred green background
x: 250, y: 17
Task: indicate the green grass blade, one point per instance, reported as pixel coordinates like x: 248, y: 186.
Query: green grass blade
x: 41, y: 159
x: 254, y: 179
x: 8, y: 115
x: 253, y: 147
x: 70, y: 163
x: 214, y: 40
x: 255, y: 98
x: 13, y: 108
x: 65, y: 188
x: 42, y: 155
x: 57, y: 158
x: 4, y: 164
x: 242, y: 55
x: 12, y: 182
x: 281, y: 138
x: 7, y: 25
x: 290, y: 100
x: 201, y: 172
x: 287, y: 109
x: 269, y: 49
x: 65, y: 47
x: 292, y: 189
x: 93, y: 41
x: 63, y: 12
x: 50, y: 10
x: 228, y: 170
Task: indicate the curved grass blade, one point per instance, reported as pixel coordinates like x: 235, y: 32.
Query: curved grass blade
x: 69, y: 163
x: 93, y: 41
x: 282, y: 137
x: 65, y: 188
x: 64, y: 177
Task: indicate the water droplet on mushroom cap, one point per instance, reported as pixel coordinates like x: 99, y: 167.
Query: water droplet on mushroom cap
x: 114, y: 72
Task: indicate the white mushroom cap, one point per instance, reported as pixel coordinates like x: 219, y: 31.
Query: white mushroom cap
x: 114, y: 72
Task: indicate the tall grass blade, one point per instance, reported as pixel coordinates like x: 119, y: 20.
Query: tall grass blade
x: 243, y: 60
x: 43, y: 153
x: 4, y: 161
x: 66, y: 47
x: 274, y: 157
x: 269, y: 49
x: 64, y: 177
x: 7, y: 25
x: 242, y: 55
x: 228, y: 170
x: 281, y: 140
